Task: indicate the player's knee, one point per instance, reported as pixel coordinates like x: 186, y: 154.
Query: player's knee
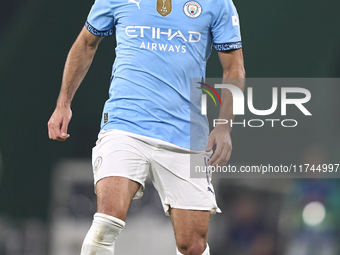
x: 103, y: 233
x: 118, y: 209
x: 196, y: 247
x: 115, y: 211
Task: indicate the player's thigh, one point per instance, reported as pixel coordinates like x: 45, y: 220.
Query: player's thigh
x: 190, y: 226
x: 114, y: 195
x: 120, y: 168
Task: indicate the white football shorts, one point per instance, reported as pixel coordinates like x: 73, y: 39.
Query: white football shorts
x: 125, y: 154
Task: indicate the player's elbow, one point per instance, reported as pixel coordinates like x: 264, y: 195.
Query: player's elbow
x: 84, y: 46
x: 234, y: 72
x: 236, y: 75
x: 241, y: 72
x: 87, y: 41
x: 90, y: 46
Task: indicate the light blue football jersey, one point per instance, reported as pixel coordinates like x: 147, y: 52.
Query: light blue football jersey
x: 156, y: 56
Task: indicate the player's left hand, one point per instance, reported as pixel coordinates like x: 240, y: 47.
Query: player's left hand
x: 221, y: 137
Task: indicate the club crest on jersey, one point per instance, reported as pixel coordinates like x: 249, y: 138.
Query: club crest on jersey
x: 97, y: 163
x: 192, y: 9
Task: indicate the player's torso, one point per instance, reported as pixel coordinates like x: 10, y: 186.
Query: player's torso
x: 160, y: 47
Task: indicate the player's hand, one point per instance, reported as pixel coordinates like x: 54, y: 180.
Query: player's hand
x: 58, y: 123
x: 221, y: 137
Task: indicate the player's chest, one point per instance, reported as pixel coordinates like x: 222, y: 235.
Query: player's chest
x: 179, y: 14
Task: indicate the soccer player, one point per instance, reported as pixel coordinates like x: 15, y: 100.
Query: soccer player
x: 152, y: 121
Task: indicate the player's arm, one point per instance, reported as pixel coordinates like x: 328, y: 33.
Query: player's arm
x: 233, y: 67
x: 77, y: 64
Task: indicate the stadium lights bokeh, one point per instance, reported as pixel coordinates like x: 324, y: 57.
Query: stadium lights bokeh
x: 313, y: 214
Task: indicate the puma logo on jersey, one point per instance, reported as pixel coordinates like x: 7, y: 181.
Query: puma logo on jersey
x: 135, y: 2
x: 209, y: 189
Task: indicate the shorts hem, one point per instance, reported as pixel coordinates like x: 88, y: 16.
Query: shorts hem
x: 213, y: 210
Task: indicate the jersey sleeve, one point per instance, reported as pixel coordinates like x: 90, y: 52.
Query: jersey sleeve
x: 100, y: 20
x: 226, y: 27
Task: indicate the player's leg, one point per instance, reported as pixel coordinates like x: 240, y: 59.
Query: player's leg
x: 120, y: 170
x: 114, y: 195
x: 191, y: 230
x: 188, y: 201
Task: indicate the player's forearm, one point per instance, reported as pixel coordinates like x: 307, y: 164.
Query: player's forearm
x: 77, y: 64
x: 234, y: 76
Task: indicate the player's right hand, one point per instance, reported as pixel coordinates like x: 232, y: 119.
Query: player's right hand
x: 58, y: 123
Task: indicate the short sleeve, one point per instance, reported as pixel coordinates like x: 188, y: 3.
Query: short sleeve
x: 226, y: 27
x: 100, y: 21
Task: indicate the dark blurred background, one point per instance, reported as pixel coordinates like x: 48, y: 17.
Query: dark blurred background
x: 280, y: 39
